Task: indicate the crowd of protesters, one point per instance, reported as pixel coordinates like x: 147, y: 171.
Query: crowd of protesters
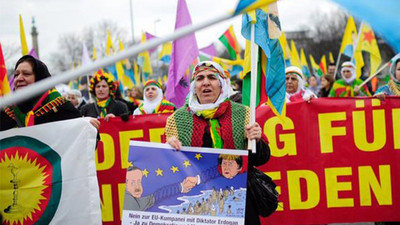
x: 206, y: 118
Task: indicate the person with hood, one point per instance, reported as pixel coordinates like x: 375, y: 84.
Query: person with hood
x: 103, y: 87
x: 46, y: 107
x: 392, y: 88
x: 210, y: 119
x: 348, y: 86
x: 154, y: 101
x: 295, y: 86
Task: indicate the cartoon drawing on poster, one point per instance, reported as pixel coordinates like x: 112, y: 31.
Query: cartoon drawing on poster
x: 191, y: 182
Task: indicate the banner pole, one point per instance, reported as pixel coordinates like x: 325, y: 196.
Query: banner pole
x: 254, y: 56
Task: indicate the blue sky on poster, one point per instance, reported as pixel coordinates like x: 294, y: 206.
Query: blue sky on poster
x: 57, y: 17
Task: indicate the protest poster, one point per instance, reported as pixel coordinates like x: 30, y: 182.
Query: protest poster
x: 190, y: 186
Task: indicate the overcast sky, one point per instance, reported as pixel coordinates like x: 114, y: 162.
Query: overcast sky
x: 57, y: 17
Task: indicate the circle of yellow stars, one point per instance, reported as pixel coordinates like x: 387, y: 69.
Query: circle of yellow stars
x: 174, y: 169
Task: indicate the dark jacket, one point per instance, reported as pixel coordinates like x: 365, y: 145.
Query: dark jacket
x: 115, y: 107
x: 64, y: 112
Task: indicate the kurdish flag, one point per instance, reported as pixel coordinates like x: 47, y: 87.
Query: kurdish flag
x: 230, y: 42
x: 271, y: 64
x: 4, y: 85
x: 48, y: 174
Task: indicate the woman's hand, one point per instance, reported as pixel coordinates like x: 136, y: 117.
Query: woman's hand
x: 253, y: 132
x: 381, y: 96
x: 174, y: 142
x: 95, y: 123
x: 108, y: 116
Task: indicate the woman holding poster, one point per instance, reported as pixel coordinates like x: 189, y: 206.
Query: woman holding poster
x: 210, y: 119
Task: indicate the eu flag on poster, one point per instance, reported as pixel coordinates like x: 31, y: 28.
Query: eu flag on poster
x: 194, y: 183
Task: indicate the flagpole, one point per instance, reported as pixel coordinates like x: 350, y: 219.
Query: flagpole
x: 376, y: 73
x: 337, y: 65
x: 43, y: 85
x: 254, y: 56
x: 355, y: 44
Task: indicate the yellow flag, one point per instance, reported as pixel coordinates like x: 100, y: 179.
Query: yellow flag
x: 348, y: 41
x: 109, y: 44
x: 331, y: 59
x: 146, y: 66
x: 295, y: 59
x: 94, y: 57
x: 24, y: 46
x: 285, y: 46
x: 368, y: 43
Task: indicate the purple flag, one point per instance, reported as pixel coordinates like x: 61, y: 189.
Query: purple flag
x: 184, y: 52
x: 32, y: 53
x: 210, y: 50
x: 149, y: 37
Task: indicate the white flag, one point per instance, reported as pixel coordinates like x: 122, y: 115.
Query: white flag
x: 48, y: 174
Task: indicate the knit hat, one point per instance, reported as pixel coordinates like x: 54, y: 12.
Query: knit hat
x: 152, y: 83
x: 300, y: 76
x: 98, y: 77
x: 209, y: 66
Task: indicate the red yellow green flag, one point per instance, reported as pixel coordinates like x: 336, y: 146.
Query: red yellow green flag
x: 229, y: 40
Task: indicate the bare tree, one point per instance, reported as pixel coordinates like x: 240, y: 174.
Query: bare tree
x: 69, y: 52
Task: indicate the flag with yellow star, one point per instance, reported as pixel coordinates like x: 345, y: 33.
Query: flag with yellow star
x: 164, y: 172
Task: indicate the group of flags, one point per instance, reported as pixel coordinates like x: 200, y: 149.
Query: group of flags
x: 274, y: 54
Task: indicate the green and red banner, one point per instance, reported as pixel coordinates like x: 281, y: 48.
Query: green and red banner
x: 334, y: 160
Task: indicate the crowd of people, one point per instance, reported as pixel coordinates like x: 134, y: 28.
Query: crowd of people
x: 213, y: 115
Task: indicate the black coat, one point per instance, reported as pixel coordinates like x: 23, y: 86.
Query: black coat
x: 64, y: 112
x: 115, y: 107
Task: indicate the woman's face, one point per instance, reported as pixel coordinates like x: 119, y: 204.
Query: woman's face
x: 312, y: 81
x: 324, y: 82
x: 207, y: 87
x: 229, y: 168
x: 397, y: 71
x: 134, y: 93
x: 291, y: 83
x: 102, y: 90
x: 73, y: 99
x: 346, y: 73
x: 151, y: 93
x: 23, y: 75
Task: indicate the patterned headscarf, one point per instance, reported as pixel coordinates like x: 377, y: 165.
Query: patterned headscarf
x: 300, y: 77
x: 194, y: 104
x: 150, y: 106
x: 98, y: 77
x: 392, y: 70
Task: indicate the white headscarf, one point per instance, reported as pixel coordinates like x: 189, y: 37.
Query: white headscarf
x: 150, y: 106
x: 194, y: 104
x: 300, y: 78
x: 349, y: 66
